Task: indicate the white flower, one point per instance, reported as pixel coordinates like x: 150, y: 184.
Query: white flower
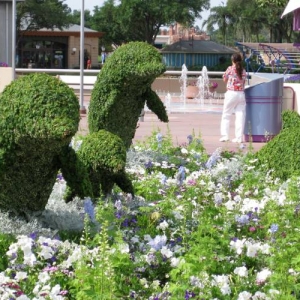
x: 163, y: 225
x: 46, y: 252
x: 144, y: 282
x: 244, y: 296
x: 262, y: 276
x: 166, y: 252
x: 124, y: 248
x: 222, y: 281
x: 241, y: 271
x: 252, y: 249
x: 23, y: 297
x: 259, y: 296
x: 155, y: 284
x: 44, y: 277
x: 175, y: 262
x: 21, y: 276
x: 184, y: 151
x: 238, y: 245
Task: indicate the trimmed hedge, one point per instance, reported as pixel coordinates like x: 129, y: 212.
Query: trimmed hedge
x: 122, y: 89
x: 98, y: 165
x: 39, y: 114
x: 282, y: 153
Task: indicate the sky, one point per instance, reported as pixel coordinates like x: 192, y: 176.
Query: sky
x: 90, y: 4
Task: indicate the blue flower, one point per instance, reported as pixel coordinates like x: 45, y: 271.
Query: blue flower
x: 159, y: 138
x: 190, y: 138
x: 243, y: 220
x: 89, y: 209
x: 274, y: 228
x: 180, y: 175
x: 158, y: 242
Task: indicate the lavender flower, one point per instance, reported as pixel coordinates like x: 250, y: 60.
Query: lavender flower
x: 274, y: 228
x: 89, y: 209
x: 213, y: 159
x: 158, y: 242
x: 243, y: 220
x: 159, y: 138
x: 190, y: 138
x: 180, y: 175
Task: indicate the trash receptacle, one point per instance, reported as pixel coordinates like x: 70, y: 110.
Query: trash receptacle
x: 264, y: 107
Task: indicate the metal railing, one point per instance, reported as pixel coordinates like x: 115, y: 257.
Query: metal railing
x: 93, y: 72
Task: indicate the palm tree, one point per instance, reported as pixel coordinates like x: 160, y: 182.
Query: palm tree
x: 219, y: 16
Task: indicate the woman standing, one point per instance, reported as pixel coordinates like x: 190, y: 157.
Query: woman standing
x: 234, y: 102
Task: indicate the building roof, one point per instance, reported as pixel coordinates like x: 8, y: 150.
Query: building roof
x: 72, y: 30
x: 202, y: 46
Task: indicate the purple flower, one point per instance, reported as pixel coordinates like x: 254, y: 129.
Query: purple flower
x: 158, y: 242
x: 159, y: 138
x: 274, y: 228
x: 180, y: 175
x: 89, y: 209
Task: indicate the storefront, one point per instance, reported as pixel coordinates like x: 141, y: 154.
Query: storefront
x: 56, y: 49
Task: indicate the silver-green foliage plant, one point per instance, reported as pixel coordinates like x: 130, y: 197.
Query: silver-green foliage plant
x: 39, y: 116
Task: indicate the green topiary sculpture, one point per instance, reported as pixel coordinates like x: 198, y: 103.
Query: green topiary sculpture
x: 123, y: 88
x: 102, y: 156
x: 39, y: 115
x: 282, y: 153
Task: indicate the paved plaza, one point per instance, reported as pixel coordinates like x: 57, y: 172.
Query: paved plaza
x: 203, y: 120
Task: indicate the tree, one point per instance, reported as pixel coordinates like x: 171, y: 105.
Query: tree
x: 247, y: 19
x: 37, y: 14
x: 279, y: 28
x: 106, y: 19
x: 220, y: 16
x: 75, y: 18
x: 141, y: 20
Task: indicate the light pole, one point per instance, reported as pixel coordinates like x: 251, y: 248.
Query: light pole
x: 13, y: 37
x: 82, y: 108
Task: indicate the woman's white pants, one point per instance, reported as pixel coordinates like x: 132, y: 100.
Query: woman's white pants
x: 234, y: 102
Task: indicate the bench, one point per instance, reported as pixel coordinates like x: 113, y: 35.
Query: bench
x: 73, y: 81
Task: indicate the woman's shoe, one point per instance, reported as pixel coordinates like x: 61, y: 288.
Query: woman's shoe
x: 236, y: 140
x: 224, y: 139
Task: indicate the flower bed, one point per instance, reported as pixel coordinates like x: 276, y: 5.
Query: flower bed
x: 200, y: 227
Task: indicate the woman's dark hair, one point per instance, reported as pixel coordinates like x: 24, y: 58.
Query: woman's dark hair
x: 237, y: 59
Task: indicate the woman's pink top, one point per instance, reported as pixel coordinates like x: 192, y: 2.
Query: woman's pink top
x: 234, y: 83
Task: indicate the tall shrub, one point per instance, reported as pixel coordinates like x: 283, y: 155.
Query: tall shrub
x: 38, y: 117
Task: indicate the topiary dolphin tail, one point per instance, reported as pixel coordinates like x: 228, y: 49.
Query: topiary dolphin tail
x: 122, y: 89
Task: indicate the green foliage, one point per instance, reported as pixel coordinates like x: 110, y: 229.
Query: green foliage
x: 282, y: 153
x: 136, y: 20
x: 30, y: 14
x: 94, y: 278
x: 5, y: 241
x: 39, y: 116
x: 122, y: 89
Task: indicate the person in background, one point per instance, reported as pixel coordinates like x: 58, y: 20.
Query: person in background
x: 89, y: 63
x: 103, y: 57
x: 235, y: 101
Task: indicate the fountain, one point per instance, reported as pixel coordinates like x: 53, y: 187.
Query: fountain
x: 201, y: 94
x: 183, y: 81
x: 168, y: 100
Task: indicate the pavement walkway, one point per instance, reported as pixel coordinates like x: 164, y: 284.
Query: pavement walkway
x: 202, y: 120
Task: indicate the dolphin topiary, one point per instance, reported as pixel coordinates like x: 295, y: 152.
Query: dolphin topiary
x: 122, y: 89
